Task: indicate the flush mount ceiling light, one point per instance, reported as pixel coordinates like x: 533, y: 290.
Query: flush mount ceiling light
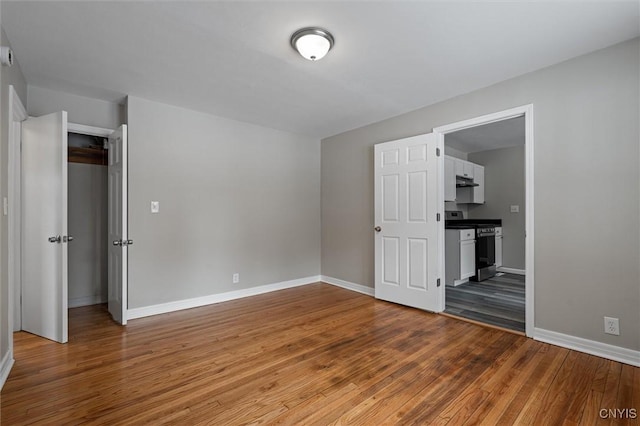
x: 312, y: 42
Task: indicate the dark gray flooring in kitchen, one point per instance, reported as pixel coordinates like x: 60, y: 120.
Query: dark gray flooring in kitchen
x: 496, y: 301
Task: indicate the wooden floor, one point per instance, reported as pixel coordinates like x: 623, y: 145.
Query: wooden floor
x: 315, y: 354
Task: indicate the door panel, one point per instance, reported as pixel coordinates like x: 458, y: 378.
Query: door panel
x: 391, y: 257
x: 418, y: 263
x: 390, y: 190
x: 417, y: 196
x: 118, y: 232
x: 406, y: 204
x: 44, y: 206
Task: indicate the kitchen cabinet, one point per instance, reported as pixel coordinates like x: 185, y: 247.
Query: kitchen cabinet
x: 460, y: 256
x: 475, y: 194
x: 454, y: 167
x: 498, y: 241
x: 478, y: 191
x: 464, y: 168
x: 449, y: 178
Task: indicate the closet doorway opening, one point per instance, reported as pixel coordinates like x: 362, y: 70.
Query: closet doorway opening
x: 88, y: 219
x: 73, y: 181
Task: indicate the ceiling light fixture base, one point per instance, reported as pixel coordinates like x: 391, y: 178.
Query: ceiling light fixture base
x: 312, y: 42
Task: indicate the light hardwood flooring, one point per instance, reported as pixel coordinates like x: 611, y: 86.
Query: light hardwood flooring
x: 315, y: 354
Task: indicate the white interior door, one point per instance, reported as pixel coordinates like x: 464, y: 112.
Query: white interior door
x: 44, y: 225
x: 118, y: 236
x: 407, y: 233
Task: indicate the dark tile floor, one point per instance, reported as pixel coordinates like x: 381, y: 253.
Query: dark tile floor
x: 500, y: 301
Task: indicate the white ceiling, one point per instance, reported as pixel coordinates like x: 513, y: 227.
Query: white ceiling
x: 500, y: 134
x: 233, y: 59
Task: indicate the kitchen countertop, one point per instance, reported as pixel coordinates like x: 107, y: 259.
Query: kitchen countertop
x: 450, y: 224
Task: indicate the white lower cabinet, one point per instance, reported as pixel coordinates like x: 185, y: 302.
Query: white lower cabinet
x: 498, y: 247
x: 460, y: 256
x: 467, y: 259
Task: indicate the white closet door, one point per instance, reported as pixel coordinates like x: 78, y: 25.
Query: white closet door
x: 44, y: 225
x: 118, y: 233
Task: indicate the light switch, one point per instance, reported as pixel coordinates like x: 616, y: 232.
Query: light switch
x: 155, y: 206
x: 515, y: 209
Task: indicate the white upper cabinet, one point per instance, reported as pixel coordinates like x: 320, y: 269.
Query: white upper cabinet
x: 454, y: 167
x: 478, y: 191
x: 464, y: 168
x: 449, y: 178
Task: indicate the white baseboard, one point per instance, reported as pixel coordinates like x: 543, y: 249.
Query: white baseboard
x: 369, y: 291
x: 604, y: 350
x: 85, y: 301
x: 511, y: 270
x: 178, y: 305
x: 5, y: 367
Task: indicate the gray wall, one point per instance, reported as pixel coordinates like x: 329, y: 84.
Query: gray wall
x: 234, y: 197
x: 8, y: 76
x: 504, y: 185
x: 88, y: 225
x: 81, y: 110
x: 587, y: 236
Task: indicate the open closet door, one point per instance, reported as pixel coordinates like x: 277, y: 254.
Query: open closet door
x: 44, y: 225
x: 407, y: 234
x: 118, y: 237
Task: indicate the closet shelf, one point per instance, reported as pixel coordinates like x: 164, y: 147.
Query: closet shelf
x: 87, y: 155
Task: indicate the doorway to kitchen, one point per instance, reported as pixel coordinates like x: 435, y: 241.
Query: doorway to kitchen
x: 488, y: 206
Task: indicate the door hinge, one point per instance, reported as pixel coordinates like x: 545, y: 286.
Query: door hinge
x: 437, y: 152
x: 438, y: 282
x: 437, y: 217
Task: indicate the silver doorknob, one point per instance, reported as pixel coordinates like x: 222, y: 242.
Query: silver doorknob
x: 55, y: 239
x: 67, y: 239
x: 377, y: 229
x: 70, y: 238
x: 117, y: 242
x: 127, y: 242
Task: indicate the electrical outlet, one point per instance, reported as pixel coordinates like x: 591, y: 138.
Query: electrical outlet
x: 155, y: 206
x: 236, y: 278
x: 612, y: 326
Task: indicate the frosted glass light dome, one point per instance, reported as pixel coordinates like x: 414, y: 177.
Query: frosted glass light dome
x: 312, y: 43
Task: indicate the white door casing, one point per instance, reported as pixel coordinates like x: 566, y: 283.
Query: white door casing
x: 17, y: 114
x: 407, y: 234
x: 527, y: 112
x: 118, y: 233
x: 44, y: 226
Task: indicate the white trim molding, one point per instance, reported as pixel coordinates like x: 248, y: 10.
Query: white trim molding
x: 88, y: 130
x: 604, y: 350
x: 16, y: 114
x: 511, y: 270
x: 163, y: 308
x: 369, y: 291
x: 5, y: 367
